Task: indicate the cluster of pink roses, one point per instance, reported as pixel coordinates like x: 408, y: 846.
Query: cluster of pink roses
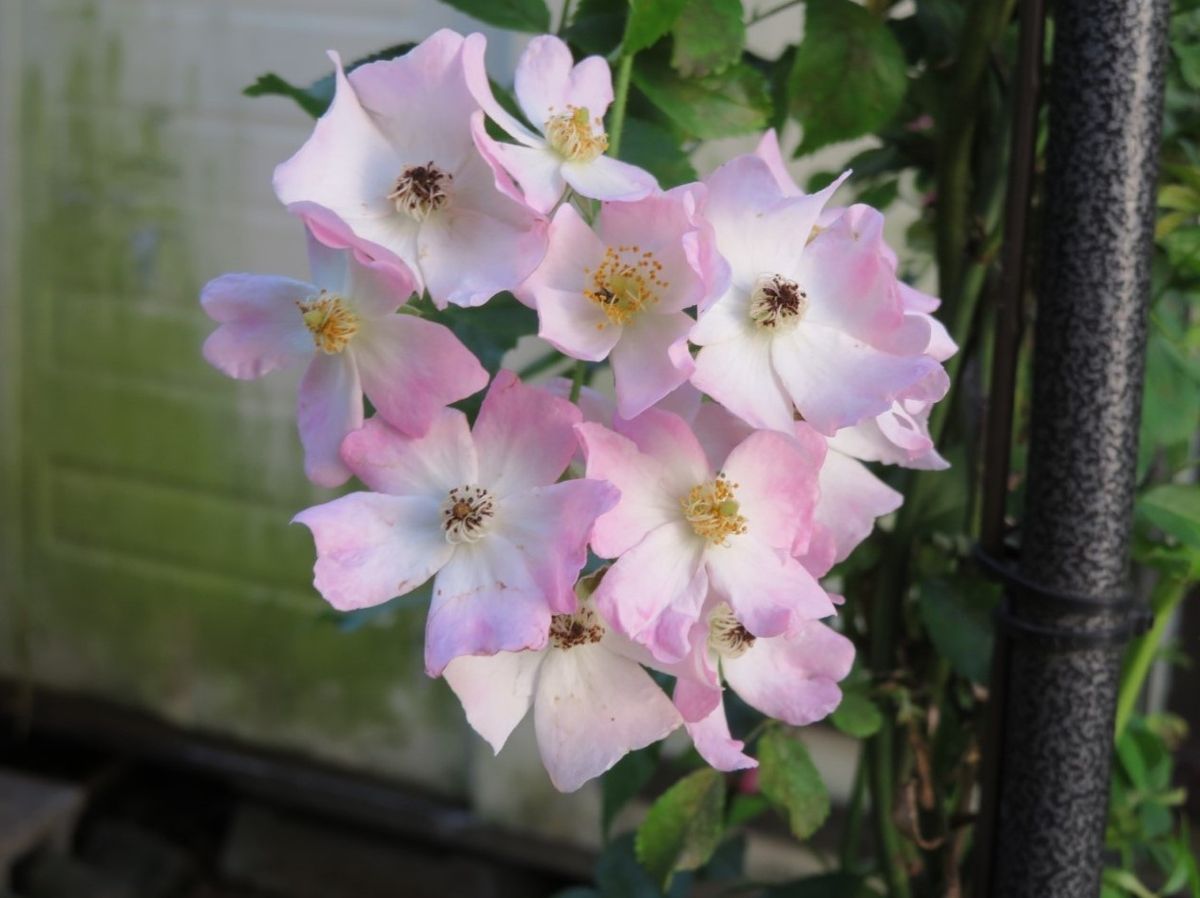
x: 717, y: 517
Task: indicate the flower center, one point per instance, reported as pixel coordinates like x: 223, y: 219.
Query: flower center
x: 421, y: 190
x: 572, y: 136
x: 712, y: 510
x: 581, y: 628
x: 626, y: 281
x: 466, y: 514
x: 330, y: 320
x: 726, y: 635
x: 777, y: 302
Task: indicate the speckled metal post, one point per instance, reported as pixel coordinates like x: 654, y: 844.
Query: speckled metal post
x: 1105, y: 122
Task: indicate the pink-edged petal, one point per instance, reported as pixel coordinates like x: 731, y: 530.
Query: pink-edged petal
x: 713, y: 741
x: 849, y: 282
x: 738, y: 373
x: 668, y: 439
x: 766, y: 588
x: 261, y: 328
x: 574, y: 325
x: 483, y: 242
x: 425, y: 85
x: 686, y: 402
x: 376, y: 289
x: 590, y: 86
x: 605, y: 178
x: 593, y: 707
x: 331, y: 231
x: 651, y: 360
x: 759, y: 230
x: 573, y: 248
x: 698, y: 688
x: 474, y: 51
x: 596, y: 407
x: 387, y: 461
x: 793, y: 678
x: 542, y: 80
x: 776, y: 477
x: 916, y: 301
x: 371, y: 547
x: 537, y: 171
x: 347, y: 166
x: 851, y: 499
x: 719, y: 432
x: 328, y: 407
x: 411, y: 369
x: 837, y: 381
x: 819, y: 554
x: 645, y: 501
x: 654, y: 592
x: 495, y: 691
x: 941, y: 345
x: 524, y: 436
x: 484, y: 601
x: 769, y: 152
x: 550, y: 527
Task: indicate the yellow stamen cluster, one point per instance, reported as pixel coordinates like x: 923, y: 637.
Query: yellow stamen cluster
x: 726, y: 635
x: 330, y: 320
x: 712, y: 510
x: 625, y: 282
x: 572, y: 136
x: 581, y: 628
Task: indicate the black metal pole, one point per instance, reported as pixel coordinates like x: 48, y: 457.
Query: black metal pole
x: 1067, y: 613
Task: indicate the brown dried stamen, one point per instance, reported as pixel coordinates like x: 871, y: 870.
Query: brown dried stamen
x: 467, y: 513
x: 421, y: 190
x: 726, y: 635
x: 581, y: 628
x: 777, y: 302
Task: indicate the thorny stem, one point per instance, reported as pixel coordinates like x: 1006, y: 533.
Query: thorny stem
x: 620, y: 96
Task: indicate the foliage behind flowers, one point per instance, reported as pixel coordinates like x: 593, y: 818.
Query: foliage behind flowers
x: 676, y: 559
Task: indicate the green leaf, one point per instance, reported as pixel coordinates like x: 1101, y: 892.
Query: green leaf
x: 653, y: 148
x: 743, y: 808
x: 826, y: 885
x: 708, y: 37
x: 516, y: 15
x: 489, y: 330
x: 857, y: 715
x: 719, y: 105
x: 619, y: 875
x: 684, y: 826
x: 849, y: 77
x: 597, y: 26
x: 791, y: 782
x: 315, y: 98
x: 624, y: 780
x: 1175, y: 509
x: 957, y: 616
x: 270, y: 84
x: 648, y: 21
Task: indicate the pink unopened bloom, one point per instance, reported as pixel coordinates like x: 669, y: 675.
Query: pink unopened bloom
x: 344, y: 324
x: 791, y: 677
x: 394, y: 157
x: 479, y: 510
x: 812, y: 320
x: 619, y: 292
x: 591, y: 702
x: 566, y: 105
x: 681, y: 527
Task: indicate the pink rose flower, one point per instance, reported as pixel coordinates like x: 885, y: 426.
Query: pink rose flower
x: 394, y: 157
x: 566, y: 105
x: 592, y: 703
x: 479, y: 510
x: 344, y: 324
x: 682, y: 527
x: 619, y: 292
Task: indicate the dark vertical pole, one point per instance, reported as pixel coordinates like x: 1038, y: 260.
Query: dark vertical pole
x: 1065, y: 613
